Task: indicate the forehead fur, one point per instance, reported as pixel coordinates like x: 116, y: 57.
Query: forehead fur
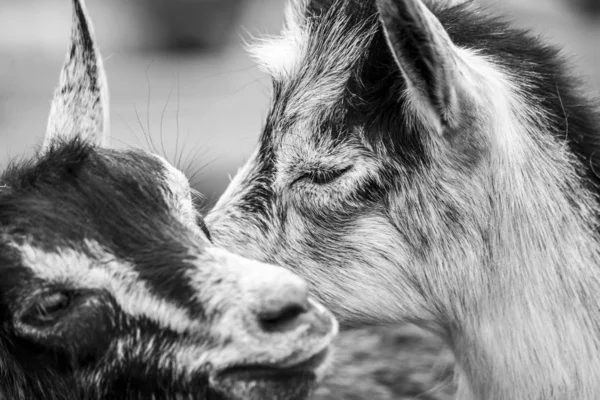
x: 100, y: 190
x: 314, y: 58
x: 342, y: 76
x: 76, y: 193
x: 97, y: 269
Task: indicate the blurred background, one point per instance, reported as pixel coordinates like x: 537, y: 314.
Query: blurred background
x: 181, y: 83
x: 178, y: 72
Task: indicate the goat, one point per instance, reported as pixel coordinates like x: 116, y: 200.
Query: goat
x: 110, y: 286
x: 426, y: 162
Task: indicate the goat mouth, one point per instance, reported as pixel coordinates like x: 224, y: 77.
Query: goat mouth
x: 306, y: 367
x: 271, y: 381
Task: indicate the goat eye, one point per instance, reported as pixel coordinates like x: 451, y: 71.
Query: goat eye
x: 200, y: 222
x: 324, y: 176
x: 48, y: 308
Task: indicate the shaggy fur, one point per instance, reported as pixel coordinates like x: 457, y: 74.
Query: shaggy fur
x: 427, y: 162
x: 110, y: 287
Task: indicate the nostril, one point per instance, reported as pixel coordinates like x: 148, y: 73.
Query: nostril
x: 280, y: 301
x: 284, y: 319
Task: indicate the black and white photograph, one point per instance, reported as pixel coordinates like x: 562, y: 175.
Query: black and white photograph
x: 299, y: 199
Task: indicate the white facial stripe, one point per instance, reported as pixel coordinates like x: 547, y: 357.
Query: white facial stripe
x: 104, y: 272
x: 235, y: 280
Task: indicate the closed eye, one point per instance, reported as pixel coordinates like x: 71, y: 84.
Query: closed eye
x: 48, y: 308
x: 200, y: 222
x: 323, y: 176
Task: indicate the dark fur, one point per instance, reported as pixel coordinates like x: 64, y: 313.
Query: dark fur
x: 77, y: 191
x: 110, y: 287
x: 112, y: 198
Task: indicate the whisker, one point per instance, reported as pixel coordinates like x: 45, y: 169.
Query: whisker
x: 177, y: 115
x: 131, y: 131
x: 146, y: 136
x: 162, y: 118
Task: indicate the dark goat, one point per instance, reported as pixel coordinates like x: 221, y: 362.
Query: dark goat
x: 110, y: 287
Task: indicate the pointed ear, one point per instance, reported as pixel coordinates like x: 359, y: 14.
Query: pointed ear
x: 80, y: 105
x: 427, y: 59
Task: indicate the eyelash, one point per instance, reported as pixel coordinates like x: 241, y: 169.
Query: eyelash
x: 203, y: 227
x: 323, y: 176
x: 49, y: 308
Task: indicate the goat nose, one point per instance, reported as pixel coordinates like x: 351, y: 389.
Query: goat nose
x: 282, y: 305
x: 278, y: 301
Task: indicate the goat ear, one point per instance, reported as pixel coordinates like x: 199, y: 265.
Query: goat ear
x: 427, y: 59
x: 80, y: 105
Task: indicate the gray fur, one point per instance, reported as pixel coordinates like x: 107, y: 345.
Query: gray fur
x: 485, y: 235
